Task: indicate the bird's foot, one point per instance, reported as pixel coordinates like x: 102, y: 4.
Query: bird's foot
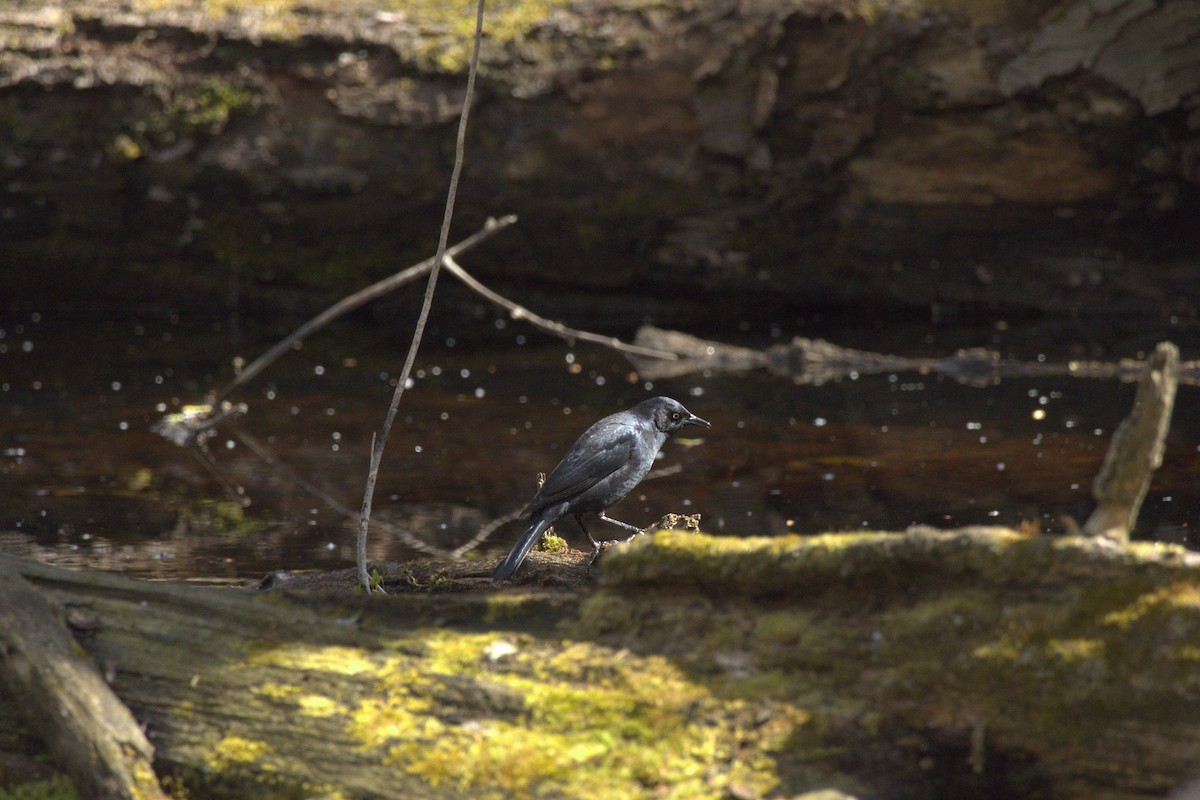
x: 601, y: 546
x: 637, y: 534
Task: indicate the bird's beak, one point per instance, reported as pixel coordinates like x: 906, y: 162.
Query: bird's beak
x: 694, y: 420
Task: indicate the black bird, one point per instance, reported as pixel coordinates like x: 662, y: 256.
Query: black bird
x: 598, y: 471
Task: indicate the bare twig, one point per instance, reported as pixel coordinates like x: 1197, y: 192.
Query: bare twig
x: 517, y: 311
x: 377, y: 450
x: 359, y: 298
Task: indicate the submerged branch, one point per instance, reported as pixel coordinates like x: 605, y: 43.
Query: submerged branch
x: 1136, y: 450
x: 816, y: 361
x: 519, y: 312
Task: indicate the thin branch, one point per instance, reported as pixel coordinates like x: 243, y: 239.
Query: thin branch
x: 289, y: 474
x: 377, y: 450
x: 483, y: 534
x: 359, y: 298
x: 517, y: 311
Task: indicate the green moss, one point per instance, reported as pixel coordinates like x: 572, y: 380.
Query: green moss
x: 276, y: 691
x: 207, y: 107
x: 57, y: 787
x: 969, y: 633
x: 193, y: 111
x: 553, y: 543
x: 1155, y: 605
x: 447, y: 28
x: 506, y: 22
x: 503, y: 715
x: 516, y: 606
x: 235, y: 750
x: 600, y: 724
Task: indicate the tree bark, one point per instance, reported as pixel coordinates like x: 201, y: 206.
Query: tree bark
x: 91, y: 734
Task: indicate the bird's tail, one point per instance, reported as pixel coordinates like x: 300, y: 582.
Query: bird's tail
x: 531, y: 536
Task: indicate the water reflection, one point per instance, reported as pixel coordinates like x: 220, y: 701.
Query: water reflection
x: 85, y: 483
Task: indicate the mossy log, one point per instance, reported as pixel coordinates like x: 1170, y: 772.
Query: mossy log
x: 926, y: 664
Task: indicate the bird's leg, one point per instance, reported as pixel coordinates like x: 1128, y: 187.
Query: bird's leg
x: 635, y: 529
x: 586, y: 532
x: 595, y: 545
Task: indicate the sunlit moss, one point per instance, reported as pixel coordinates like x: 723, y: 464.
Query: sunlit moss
x: 591, y: 722
x: 278, y: 691
x: 1187, y: 652
x: 315, y: 705
x: 512, y: 605
x: 235, y: 750
x: 553, y: 543
x: 1166, y: 599
x: 339, y: 660
x: 1070, y: 651
x: 505, y: 21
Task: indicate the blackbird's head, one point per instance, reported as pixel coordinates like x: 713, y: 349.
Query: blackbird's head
x: 669, y: 415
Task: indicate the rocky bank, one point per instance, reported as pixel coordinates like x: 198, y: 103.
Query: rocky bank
x: 994, y: 156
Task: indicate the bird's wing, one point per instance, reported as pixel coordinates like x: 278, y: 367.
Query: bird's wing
x: 605, y: 448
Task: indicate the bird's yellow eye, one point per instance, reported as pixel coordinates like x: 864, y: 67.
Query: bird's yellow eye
x: 675, y: 415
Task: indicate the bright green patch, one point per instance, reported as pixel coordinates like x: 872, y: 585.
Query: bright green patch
x: 315, y: 705
x: 553, y: 543
x: 592, y: 722
x: 235, y: 750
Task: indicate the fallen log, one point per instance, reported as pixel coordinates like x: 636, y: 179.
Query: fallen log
x: 980, y: 660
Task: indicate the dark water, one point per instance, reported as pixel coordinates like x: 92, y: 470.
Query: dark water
x: 84, y: 482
